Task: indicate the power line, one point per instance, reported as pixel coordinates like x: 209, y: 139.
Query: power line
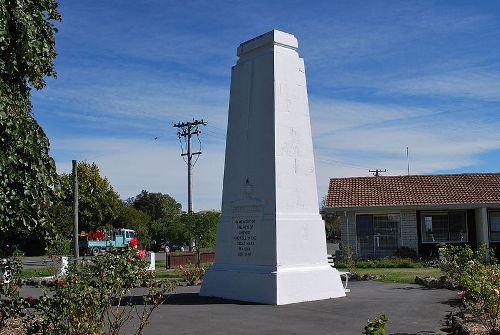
x: 334, y: 161
x: 187, y: 130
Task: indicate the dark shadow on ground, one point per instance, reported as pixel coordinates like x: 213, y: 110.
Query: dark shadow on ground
x: 422, y: 288
x: 187, y: 299
x: 453, y: 302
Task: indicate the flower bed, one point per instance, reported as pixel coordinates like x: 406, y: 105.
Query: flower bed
x: 91, y: 298
x: 478, y: 274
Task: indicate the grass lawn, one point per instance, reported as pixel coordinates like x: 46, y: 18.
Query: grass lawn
x: 37, y: 272
x: 400, y: 275
x: 389, y: 275
x: 171, y: 274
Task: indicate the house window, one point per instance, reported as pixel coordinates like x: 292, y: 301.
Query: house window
x: 377, y: 235
x: 444, y: 227
x: 495, y: 226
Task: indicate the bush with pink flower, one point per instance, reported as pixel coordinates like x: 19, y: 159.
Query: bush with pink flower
x: 91, y: 298
x: 478, y: 273
x: 192, y: 275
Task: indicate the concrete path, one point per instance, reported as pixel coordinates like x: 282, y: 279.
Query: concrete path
x: 411, y: 309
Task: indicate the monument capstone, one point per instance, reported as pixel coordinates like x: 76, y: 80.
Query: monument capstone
x: 271, y: 245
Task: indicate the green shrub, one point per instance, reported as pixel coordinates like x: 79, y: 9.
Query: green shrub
x: 60, y: 246
x: 405, y: 252
x: 91, y: 298
x: 479, y: 275
x: 346, y: 259
x: 377, y: 326
x: 192, y: 275
x: 11, y: 302
x: 391, y: 263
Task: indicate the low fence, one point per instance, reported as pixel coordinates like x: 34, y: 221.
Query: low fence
x: 175, y: 260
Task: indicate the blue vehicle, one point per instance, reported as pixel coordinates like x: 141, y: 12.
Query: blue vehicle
x: 93, y: 243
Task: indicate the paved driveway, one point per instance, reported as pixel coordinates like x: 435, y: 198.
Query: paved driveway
x: 411, y: 309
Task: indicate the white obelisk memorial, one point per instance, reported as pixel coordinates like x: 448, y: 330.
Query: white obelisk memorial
x: 271, y: 245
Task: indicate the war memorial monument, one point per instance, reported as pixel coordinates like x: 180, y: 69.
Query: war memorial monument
x: 271, y: 245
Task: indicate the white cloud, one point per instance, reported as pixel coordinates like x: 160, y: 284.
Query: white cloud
x: 476, y: 83
x: 134, y: 165
x: 375, y: 136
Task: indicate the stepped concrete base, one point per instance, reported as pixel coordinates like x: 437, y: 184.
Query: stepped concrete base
x: 268, y: 285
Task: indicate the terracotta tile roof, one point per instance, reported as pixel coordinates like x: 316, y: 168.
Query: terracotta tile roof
x: 474, y: 188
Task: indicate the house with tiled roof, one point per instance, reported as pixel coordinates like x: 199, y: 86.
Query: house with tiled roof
x: 381, y: 214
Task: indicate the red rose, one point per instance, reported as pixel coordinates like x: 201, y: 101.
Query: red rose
x: 133, y: 242
x: 60, y: 282
x: 30, y: 300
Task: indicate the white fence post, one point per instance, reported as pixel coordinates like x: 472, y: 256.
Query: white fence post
x: 63, y: 268
x: 152, y: 265
x: 6, y: 273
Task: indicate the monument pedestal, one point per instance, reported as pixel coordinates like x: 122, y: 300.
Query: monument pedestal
x: 271, y: 245
x: 272, y: 285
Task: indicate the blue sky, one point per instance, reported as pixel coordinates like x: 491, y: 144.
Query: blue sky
x: 382, y: 76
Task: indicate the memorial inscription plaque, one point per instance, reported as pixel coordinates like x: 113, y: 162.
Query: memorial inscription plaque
x: 244, y: 235
x: 246, y: 219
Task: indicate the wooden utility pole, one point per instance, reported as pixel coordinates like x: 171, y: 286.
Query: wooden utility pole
x: 377, y: 172
x: 76, y: 251
x: 187, y: 130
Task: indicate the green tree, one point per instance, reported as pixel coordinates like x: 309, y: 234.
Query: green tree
x: 98, y: 203
x: 27, y: 172
x: 61, y: 216
x: 202, y: 228
x: 173, y: 230
x: 158, y: 206
x: 332, y: 226
x: 164, y: 212
x: 131, y: 218
x: 333, y: 221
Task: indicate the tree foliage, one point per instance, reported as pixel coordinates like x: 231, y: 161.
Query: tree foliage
x: 131, y: 218
x: 98, y: 203
x: 174, y: 230
x: 27, y: 46
x: 202, y: 228
x: 27, y: 172
x: 158, y: 206
x: 27, y: 176
x: 332, y: 226
x: 164, y: 212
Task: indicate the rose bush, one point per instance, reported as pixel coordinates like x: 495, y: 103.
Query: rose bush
x: 478, y: 273
x: 92, y: 298
x: 192, y: 275
x: 11, y: 302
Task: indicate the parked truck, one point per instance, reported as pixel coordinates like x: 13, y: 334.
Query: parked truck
x: 94, y: 242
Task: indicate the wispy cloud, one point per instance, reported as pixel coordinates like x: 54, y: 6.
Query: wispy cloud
x: 475, y: 83
x: 133, y: 165
x: 370, y: 136
x: 381, y: 76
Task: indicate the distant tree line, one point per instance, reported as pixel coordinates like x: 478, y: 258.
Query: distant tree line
x: 154, y: 216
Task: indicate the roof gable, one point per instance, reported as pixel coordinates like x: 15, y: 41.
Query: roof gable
x: 474, y: 188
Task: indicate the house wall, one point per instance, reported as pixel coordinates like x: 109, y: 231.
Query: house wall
x: 408, y: 229
x: 408, y: 236
x: 348, y: 228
